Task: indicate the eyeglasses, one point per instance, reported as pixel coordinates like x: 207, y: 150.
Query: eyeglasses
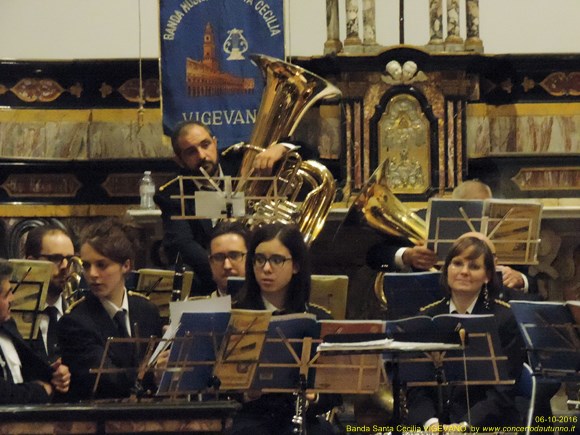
x: 57, y: 258
x: 260, y: 260
x: 233, y: 256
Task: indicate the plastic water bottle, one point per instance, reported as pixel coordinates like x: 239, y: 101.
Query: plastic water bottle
x: 146, y: 191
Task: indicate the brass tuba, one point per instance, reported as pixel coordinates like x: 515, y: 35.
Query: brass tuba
x: 378, y: 207
x: 72, y: 290
x: 289, y: 92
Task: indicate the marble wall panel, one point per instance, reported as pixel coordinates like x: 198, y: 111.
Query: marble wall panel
x: 82, y: 134
x: 523, y: 128
x: 48, y: 134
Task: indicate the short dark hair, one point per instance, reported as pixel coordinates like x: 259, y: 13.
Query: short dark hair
x: 6, y: 269
x: 113, y: 238
x: 480, y: 247
x: 230, y: 227
x: 33, y: 244
x: 178, y: 131
x: 299, y: 287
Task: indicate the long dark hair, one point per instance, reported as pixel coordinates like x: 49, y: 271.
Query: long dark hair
x: 478, y: 248
x: 299, y: 287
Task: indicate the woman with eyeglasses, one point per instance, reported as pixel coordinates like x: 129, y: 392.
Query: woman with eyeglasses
x: 471, y: 283
x: 278, y: 279
x: 109, y: 310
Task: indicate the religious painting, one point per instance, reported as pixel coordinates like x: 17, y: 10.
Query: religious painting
x: 404, y: 139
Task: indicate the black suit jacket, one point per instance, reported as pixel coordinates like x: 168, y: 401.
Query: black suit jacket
x: 490, y: 405
x: 82, y: 335
x: 189, y: 237
x: 33, y: 369
x: 39, y: 347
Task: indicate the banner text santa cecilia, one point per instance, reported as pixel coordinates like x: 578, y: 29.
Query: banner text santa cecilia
x: 263, y: 8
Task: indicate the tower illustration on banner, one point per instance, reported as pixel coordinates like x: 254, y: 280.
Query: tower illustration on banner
x: 204, y: 78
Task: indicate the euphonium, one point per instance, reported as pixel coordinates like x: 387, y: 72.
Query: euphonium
x: 377, y: 206
x: 72, y: 287
x: 289, y: 92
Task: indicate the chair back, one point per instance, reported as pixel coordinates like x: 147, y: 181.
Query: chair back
x: 157, y: 285
x: 330, y: 291
x: 407, y: 292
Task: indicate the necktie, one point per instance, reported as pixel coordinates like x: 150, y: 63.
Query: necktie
x: 51, y: 336
x: 121, y: 324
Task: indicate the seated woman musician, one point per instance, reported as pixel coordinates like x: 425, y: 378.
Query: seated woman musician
x: 278, y: 279
x: 469, y: 278
x: 107, y: 251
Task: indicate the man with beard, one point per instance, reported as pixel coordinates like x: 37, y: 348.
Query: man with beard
x: 50, y: 243
x: 227, y: 251
x: 196, y: 147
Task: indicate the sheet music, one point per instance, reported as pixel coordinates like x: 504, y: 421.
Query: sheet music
x: 176, y: 309
x: 386, y: 344
x: 210, y: 305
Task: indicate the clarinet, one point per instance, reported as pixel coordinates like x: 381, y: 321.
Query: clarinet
x: 177, y: 279
x: 298, y: 419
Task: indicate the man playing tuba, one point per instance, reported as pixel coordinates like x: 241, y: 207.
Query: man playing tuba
x: 195, y: 147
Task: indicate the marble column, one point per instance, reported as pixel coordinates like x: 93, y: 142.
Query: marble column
x: 435, y: 25
x: 352, y: 43
x: 453, y: 42
x: 369, y: 26
x: 332, y: 44
x: 472, y: 42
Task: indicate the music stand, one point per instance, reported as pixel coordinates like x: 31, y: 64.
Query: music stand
x: 157, y: 285
x: 349, y: 373
x: 223, y: 201
x: 240, y: 351
x: 478, y: 361
x: 512, y: 225
x: 193, y: 354
x: 30, y: 279
x: 552, y: 337
x: 140, y: 369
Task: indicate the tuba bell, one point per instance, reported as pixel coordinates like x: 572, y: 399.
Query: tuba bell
x: 377, y: 206
x: 72, y: 290
x: 289, y: 92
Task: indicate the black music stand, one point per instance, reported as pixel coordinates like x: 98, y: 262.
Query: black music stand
x: 477, y: 362
x: 193, y: 353
x: 552, y: 336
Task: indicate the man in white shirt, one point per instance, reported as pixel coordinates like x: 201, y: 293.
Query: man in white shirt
x: 54, y: 244
x: 25, y: 377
